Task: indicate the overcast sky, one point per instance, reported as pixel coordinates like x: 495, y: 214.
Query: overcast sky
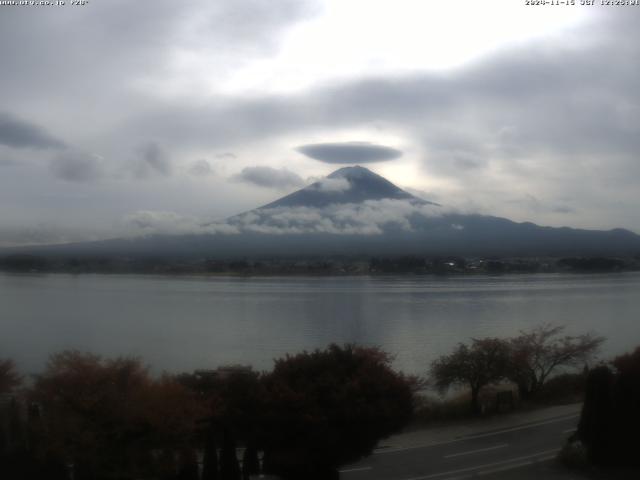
x: 202, y: 109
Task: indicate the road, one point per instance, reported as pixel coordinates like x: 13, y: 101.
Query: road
x: 488, y: 455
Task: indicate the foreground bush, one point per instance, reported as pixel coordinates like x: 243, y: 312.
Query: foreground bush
x: 330, y: 407
x: 610, y: 419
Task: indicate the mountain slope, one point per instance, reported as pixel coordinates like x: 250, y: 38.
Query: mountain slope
x: 346, y: 185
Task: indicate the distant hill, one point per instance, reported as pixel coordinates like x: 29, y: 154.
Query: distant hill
x: 355, y: 212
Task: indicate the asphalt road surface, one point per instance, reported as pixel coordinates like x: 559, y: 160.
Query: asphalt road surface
x: 488, y: 455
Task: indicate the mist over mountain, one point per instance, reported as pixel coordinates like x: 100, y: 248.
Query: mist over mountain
x: 356, y: 212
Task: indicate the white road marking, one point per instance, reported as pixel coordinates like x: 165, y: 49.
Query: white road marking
x: 359, y: 469
x: 516, y: 465
x: 517, y: 461
x: 569, y: 430
x: 470, y: 452
x: 480, y: 435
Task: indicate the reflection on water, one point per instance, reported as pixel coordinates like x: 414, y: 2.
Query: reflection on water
x: 182, y: 323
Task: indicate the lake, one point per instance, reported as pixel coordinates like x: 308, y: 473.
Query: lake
x: 184, y: 323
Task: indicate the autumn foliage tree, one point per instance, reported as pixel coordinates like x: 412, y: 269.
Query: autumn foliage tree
x: 537, y: 354
x: 475, y: 366
x: 109, y: 416
x: 330, y: 407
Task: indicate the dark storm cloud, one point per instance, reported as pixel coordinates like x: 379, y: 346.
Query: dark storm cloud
x: 349, y: 152
x: 269, y: 177
x: 17, y: 133
x: 74, y: 166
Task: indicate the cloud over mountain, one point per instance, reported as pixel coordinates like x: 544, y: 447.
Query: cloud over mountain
x: 157, y: 222
x: 349, y: 152
x: 332, y: 184
x: 371, y: 217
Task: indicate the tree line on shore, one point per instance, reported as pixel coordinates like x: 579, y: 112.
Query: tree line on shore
x: 338, y: 265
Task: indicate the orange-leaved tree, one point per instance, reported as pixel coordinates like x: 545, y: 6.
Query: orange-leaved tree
x: 110, y: 417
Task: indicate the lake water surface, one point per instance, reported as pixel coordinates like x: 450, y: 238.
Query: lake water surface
x: 184, y: 323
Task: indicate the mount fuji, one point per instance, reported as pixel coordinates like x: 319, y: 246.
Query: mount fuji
x: 356, y: 212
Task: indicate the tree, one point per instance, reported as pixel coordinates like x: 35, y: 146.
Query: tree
x: 110, y: 415
x: 536, y: 354
x: 330, y: 407
x: 596, y: 420
x: 234, y: 396
x: 9, y: 378
x: 626, y: 395
x: 475, y: 366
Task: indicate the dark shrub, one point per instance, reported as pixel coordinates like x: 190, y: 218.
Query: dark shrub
x: 610, y: 419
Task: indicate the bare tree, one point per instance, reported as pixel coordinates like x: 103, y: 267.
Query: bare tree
x: 537, y: 353
x: 478, y: 365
